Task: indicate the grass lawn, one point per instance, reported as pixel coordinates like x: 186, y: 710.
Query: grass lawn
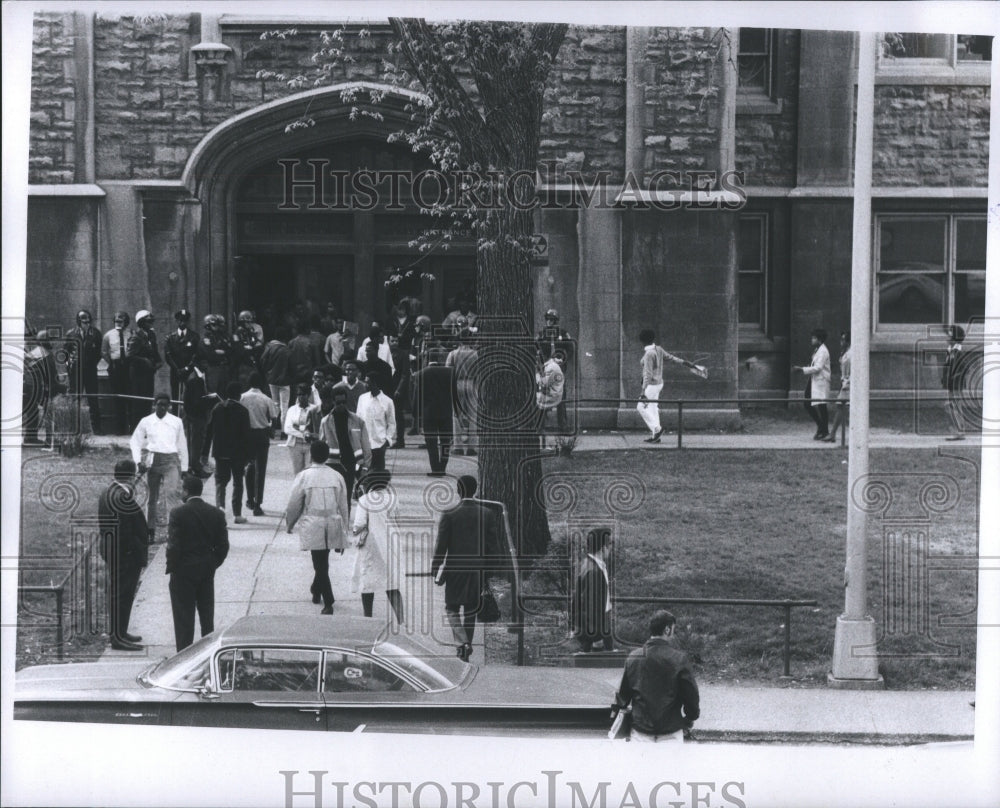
x: 58, y: 496
x: 772, y: 525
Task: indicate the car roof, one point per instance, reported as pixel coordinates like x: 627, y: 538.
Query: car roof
x: 314, y: 630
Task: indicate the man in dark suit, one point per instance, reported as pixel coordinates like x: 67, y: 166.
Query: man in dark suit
x: 198, y: 543
x: 83, y: 352
x: 470, y: 546
x: 124, y: 547
x: 590, y: 610
x: 230, y: 431
x: 434, y: 396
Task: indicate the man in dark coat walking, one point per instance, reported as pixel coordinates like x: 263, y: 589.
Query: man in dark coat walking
x: 470, y: 546
x: 124, y: 547
x: 659, y: 685
x: 230, y: 431
x: 434, y: 396
x: 198, y: 544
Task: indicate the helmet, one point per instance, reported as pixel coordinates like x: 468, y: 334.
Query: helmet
x: 246, y: 316
x: 423, y: 321
x: 214, y: 322
x: 143, y: 314
x: 182, y: 315
x: 461, y: 322
x: 551, y: 314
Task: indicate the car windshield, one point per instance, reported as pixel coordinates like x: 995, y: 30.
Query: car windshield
x: 187, y: 669
x: 434, y: 670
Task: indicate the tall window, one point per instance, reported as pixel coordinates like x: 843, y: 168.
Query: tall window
x: 930, y: 269
x: 753, y: 271
x: 755, y: 60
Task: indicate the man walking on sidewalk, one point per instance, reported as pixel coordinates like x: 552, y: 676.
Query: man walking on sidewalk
x: 263, y: 411
x: 198, y: 544
x: 159, y: 438
x: 469, y: 536
x: 123, y: 546
x: 317, y: 510
x: 434, y: 395
x: 378, y: 412
x: 230, y: 426
x: 659, y: 685
x: 652, y: 383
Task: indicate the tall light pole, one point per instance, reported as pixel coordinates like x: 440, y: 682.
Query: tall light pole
x: 855, y: 663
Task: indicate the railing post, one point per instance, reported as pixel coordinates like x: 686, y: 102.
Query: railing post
x: 59, y: 623
x: 788, y: 639
x: 680, y: 423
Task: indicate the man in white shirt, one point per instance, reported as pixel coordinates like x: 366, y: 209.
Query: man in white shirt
x: 378, y: 412
x: 159, y: 438
x: 301, y: 426
x: 113, y: 353
x: 263, y: 410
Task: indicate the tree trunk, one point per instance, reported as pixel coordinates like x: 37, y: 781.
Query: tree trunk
x: 509, y: 461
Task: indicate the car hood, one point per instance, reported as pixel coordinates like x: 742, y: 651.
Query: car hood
x: 537, y: 686
x: 99, y: 681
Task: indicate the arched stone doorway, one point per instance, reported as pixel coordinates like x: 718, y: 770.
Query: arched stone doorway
x: 253, y: 251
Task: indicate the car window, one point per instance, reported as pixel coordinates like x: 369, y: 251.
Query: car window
x: 347, y: 672
x: 186, y: 670
x: 269, y: 669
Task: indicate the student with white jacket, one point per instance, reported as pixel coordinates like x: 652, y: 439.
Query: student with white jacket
x: 317, y: 511
x: 818, y: 384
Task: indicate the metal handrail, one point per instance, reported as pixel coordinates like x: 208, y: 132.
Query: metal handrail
x: 786, y: 605
x: 59, y: 590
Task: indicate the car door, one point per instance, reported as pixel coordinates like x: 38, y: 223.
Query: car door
x: 268, y: 687
x: 360, y: 691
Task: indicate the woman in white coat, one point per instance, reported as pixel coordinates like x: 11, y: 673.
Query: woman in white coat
x: 818, y: 384
x: 377, y: 563
x: 317, y: 510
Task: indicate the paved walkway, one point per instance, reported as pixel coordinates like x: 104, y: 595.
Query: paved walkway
x: 266, y: 573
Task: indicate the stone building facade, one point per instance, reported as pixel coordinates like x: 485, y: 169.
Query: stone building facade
x: 155, y: 183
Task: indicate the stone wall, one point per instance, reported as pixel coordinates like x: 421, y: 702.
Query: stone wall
x: 53, y: 99
x: 931, y: 135
x: 61, y: 270
x: 767, y: 139
x: 147, y: 113
x: 683, y: 86
x: 583, y: 126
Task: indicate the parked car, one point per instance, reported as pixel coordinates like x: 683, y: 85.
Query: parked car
x: 318, y: 673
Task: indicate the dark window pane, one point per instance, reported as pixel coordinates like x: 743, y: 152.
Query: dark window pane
x: 916, y: 297
x: 751, y: 299
x: 970, y: 244
x: 751, y: 241
x: 970, y: 296
x: 912, y: 245
x: 918, y: 46
x: 753, y: 40
x: 975, y: 48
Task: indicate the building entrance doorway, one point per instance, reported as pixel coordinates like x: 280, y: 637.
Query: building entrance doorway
x: 299, y: 247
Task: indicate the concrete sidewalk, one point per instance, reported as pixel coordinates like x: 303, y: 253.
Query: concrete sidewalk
x: 266, y: 573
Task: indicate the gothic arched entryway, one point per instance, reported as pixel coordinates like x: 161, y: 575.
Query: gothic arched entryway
x: 251, y: 251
